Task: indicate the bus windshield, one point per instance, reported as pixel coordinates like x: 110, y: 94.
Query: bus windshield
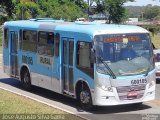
x: 124, y: 54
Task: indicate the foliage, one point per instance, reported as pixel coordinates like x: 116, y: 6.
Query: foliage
x: 59, y: 9
x: 155, y: 40
x: 153, y: 28
x: 0, y: 41
x: 80, y: 3
x: 26, y: 9
x: 3, y: 19
x: 8, y: 6
x: 7, y: 10
x: 134, y: 11
x: 150, y: 12
x: 72, y: 9
x: 115, y: 9
x: 100, y: 7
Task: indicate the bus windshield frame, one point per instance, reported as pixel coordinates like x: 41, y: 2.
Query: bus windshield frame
x: 124, y: 54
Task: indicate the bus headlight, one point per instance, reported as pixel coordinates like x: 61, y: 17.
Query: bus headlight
x: 152, y: 83
x: 106, y: 88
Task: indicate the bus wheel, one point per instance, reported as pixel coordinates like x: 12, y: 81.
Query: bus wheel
x: 85, y: 98
x: 26, y: 81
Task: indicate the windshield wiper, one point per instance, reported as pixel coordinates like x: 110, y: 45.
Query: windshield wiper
x: 111, y: 73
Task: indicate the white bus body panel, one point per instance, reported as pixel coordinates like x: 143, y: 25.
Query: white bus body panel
x: 45, y: 82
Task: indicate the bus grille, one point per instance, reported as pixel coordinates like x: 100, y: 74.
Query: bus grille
x: 124, y: 90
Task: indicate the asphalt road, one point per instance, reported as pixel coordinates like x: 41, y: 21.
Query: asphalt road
x: 149, y: 110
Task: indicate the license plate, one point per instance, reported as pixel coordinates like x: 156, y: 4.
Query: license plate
x: 132, y: 94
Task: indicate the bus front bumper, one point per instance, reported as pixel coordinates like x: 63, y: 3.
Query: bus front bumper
x: 106, y: 98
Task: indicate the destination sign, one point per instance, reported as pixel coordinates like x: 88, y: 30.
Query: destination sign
x: 121, y: 39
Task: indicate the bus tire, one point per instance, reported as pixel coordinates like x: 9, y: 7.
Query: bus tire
x: 26, y: 80
x: 84, y: 97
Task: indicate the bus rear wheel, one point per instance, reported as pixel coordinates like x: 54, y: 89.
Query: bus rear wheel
x: 85, y: 98
x: 26, y: 81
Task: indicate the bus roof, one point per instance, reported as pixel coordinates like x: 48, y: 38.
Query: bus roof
x: 91, y: 28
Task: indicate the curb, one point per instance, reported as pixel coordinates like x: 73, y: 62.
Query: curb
x: 45, y: 103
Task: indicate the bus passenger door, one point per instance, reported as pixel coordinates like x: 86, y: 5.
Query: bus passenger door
x: 67, y: 71
x: 14, y: 53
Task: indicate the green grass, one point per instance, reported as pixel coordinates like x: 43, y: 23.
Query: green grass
x: 0, y: 49
x: 14, y: 104
x: 156, y: 40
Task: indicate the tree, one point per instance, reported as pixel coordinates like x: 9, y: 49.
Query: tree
x: 69, y: 11
x: 57, y: 9
x: 8, y: 6
x: 26, y: 9
x: 80, y: 3
x: 115, y: 9
x: 100, y: 7
x: 135, y: 11
x: 151, y: 12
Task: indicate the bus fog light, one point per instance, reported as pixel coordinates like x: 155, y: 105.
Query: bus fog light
x: 152, y: 83
x: 149, y: 93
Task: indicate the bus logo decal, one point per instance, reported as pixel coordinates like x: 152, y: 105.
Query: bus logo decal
x: 45, y: 60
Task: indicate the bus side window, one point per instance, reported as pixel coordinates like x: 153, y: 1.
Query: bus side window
x: 46, y: 43
x: 20, y: 38
x: 84, y: 58
x: 57, y: 41
x: 50, y: 43
x: 29, y: 40
x: 5, y: 43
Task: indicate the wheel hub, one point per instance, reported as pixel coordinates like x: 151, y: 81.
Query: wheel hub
x: 84, y: 97
x: 26, y: 79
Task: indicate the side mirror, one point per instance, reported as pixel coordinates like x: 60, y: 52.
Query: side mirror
x: 157, y: 57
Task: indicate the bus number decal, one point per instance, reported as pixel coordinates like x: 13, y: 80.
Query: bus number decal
x: 139, y: 81
x: 28, y: 60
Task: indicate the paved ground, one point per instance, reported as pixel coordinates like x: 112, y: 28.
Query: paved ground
x: 102, y: 113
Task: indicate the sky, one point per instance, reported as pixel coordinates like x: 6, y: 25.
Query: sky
x: 144, y: 2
